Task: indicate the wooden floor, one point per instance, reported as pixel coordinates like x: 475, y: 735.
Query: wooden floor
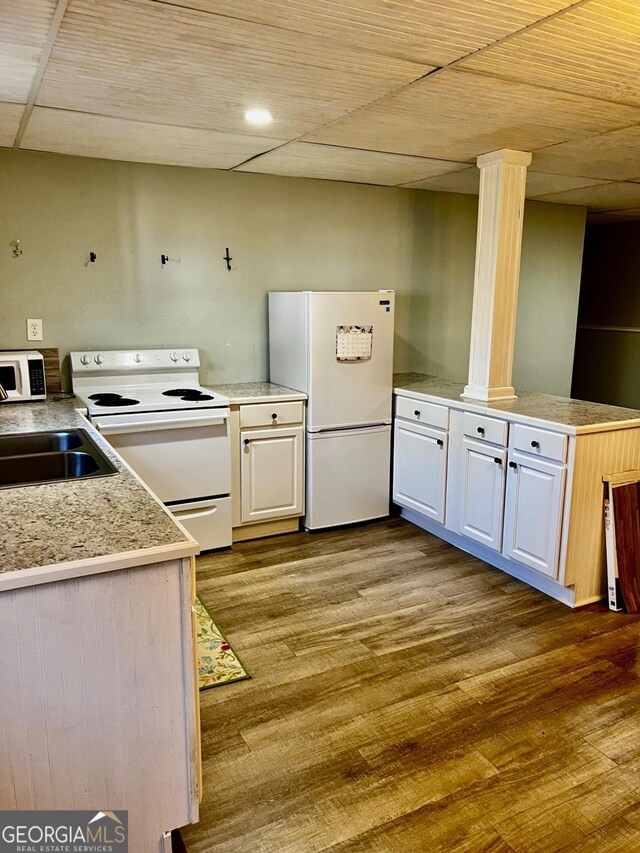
x: 407, y: 697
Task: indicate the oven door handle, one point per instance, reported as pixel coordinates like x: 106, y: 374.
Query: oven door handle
x: 115, y: 426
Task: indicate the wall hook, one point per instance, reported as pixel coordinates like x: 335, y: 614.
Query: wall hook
x: 91, y: 259
x: 17, y: 251
x: 164, y: 259
x: 228, y: 258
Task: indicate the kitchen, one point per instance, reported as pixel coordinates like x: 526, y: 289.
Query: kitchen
x: 367, y: 646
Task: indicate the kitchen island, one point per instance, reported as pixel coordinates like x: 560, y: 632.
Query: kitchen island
x: 516, y: 482
x: 99, y: 705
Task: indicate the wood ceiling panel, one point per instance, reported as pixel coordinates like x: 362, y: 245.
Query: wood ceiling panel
x: 457, y: 115
x: 591, y: 50
x: 24, y: 25
x: 305, y: 160
x: 170, y: 65
x: 468, y: 181
x: 10, y: 115
x: 434, y: 32
x: 614, y: 156
x: 612, y: 196
x: 88, y: 135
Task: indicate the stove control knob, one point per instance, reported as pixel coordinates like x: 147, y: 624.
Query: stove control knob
x: 174, y: 356
x: 138, y: 358
x: 98, y: 359
x: 84, y: 359
x: 186, y: 355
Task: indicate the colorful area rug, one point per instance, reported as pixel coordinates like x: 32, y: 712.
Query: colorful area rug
x: 217, y: 661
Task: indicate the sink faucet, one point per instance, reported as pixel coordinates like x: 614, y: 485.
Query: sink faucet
x: 3, y: 394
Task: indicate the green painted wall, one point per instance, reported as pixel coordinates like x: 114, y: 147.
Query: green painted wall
x: 283, y: 233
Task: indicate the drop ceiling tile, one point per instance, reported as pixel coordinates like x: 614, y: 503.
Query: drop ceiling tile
x: 306, y: 160
x: 614, y: 156
x: 468, y: 181
x: 434, y: 32
x: 590, y: 50
x: 612, y: 196
x: 117, y: 139
x: 24, y: 26
x: 169, y: 65
x: 10, y: 116
x: 456, y: 115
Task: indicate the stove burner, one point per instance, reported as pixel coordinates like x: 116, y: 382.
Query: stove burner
x: 118, y: 401
x: 105, y: 396
x: 194, y: 397
x: 180, y: 392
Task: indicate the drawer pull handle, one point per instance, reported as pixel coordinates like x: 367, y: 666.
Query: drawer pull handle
x: 417, y: 413
x: 440, y: 442
x: 535, y: 444
x: 246, y: 442
x: 512, y: 465
x: 497, y: 460
x: 481, y: 430
x: 274, y: 416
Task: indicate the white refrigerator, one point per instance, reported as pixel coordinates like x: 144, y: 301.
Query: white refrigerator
x: 338, y: 349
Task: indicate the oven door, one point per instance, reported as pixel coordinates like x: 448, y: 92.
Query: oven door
x: 14, y: 376
x: 180, y: 455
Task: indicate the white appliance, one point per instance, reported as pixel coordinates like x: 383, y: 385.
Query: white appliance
x: 338, y: 349
x: 22, y: 375
x: 174, y: 434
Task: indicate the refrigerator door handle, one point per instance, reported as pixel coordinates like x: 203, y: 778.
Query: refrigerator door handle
x: 377, y: 425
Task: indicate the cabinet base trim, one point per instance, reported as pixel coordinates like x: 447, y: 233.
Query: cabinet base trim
x: 566, y: 595
x: 266, y: 528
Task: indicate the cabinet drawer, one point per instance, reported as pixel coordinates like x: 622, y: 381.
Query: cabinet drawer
x: 552, y: 445
x: 421, y: 412
x: 489, y: 429
x: 266, y: 414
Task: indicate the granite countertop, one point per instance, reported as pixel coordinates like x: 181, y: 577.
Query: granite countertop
x: 53, y: 523
x: 581, y: 415
x: 257, y: 392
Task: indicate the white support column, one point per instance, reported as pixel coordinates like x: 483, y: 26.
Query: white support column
x: 503, y: 176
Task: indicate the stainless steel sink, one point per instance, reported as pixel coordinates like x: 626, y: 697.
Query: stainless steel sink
x: 50, y: 457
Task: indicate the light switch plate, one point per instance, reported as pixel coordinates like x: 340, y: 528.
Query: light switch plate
x: 34, y: 330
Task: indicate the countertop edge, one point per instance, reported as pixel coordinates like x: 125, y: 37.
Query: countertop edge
x: 280, y: 398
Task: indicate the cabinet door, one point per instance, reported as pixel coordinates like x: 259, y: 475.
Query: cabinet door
x: 272, y: 473
x: 483, y: 492
x: 419, y: 468
x: 533, y: 516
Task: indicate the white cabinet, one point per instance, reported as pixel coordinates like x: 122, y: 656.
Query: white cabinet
x: 533, y: 515
x: 419, y: 470
x: 483, y: 492
x: 271, y: 473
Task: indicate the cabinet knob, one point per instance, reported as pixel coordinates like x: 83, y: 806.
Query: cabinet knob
x: 417, y: 413
x: 481, y: 430
x: 275, y: 416
x: 512, y: 465
x: 246, y: 442
x: 497, y: 460
x: 440, y: 442
x: 535, y: 444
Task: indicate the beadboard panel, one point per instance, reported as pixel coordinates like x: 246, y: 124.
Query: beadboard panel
x: 595, y: 453
x: 85, y: 135
x: 468, y: 181
x: 24, y: 27
x: 94, y: 701
x: 10, y: 115
x: 169, y: 65
x: 614, y: 156
x: 427, y: 31
x: 304, y: 159
x: 612, y: 196
x: 471, y: 114
x: 590, y: 50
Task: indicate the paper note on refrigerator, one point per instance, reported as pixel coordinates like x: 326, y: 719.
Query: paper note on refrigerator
x: 354, y: 343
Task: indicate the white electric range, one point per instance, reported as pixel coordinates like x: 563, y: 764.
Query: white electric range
x: 150, y: 406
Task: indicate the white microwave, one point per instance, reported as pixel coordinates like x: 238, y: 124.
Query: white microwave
x: 22, y: 375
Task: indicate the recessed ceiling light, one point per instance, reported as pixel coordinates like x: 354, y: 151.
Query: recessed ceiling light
x: 258, y: 115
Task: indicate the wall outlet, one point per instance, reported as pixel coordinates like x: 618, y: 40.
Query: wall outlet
x: 34, y: 330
